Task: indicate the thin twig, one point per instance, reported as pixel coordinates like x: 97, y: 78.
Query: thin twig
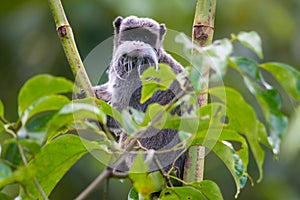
x: 36, y: 183
x: 131, y: 143
x: 105, y: 174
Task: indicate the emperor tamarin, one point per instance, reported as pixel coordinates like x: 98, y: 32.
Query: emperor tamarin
x: 138, y: 46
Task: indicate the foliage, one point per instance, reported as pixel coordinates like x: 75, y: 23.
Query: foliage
x: 45, y: 141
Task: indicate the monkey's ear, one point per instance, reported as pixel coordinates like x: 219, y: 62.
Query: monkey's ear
x: 162, y: 30
x: 117, y: 23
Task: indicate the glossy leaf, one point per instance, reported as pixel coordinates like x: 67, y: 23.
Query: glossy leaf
x: 48, y: 170
x: 209, y: 188
x: 287, y: 76
x: 44, y: 104
x: 245, y: 66
x: 40, y: 86
x: 268, y: 99
x: 251, y: 40
x: 71, y: 113
x: 154, y: 80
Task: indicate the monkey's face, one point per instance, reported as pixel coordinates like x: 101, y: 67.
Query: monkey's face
x: 137, y: 41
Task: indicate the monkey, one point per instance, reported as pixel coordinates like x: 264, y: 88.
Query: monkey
x: 138, y: 45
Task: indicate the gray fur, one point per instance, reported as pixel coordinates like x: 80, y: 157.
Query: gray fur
x: 124, y: 86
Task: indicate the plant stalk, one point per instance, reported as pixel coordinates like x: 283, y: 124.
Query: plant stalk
x: 203, y: 30
x: 66, y: 36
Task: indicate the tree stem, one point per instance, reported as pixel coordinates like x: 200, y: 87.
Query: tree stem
x: 66, y: 36
x: 203, y: 30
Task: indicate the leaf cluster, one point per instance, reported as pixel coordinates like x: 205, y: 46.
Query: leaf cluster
x: 53, y: 132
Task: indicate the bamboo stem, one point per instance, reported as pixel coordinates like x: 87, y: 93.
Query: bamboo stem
x: 66, y: 36
x: 203, y: 30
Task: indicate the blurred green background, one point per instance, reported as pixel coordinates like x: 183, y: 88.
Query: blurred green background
x: 30, y: 46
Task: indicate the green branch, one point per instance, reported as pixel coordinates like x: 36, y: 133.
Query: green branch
x: 66, y: 36
x: 203, y: 30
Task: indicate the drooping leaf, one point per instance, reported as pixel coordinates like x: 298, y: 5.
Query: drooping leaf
x: 154, y: 80
x: 287, y: 76
x: 245, y: 66
x: 235, y: 160
x: 268, y: 99
x: 40, y: 86
x: 48, y: 170
x: 243, y: 120
x: 233, y: 164
x: 251, y: 40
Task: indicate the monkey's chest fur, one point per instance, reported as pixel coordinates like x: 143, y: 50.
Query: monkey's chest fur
x: 126, y: 92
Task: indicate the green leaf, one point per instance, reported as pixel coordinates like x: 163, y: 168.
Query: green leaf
x: 157, y: 114
x: 51, y: 163
x: 243, y: 120
x: 5, y: 197
x: 215, y: 57
x: 210, y: 189
x: 5, y: 171
x: 183, y: 192
x: 268, y: 99
x: 133, y: 194
x: 71, y: 113
x: 235, y: 160
x: 287, y: 76
x: 40, y: 86
x: 251, y: 40
x: 154, y: 80
x: 44, y: 104
x: 245, y: 66
x: 142, y: 182
x: 36, y: 128
x: 32, y: 146
x: 128, y: 122
x: 233, y: 164
x: 1, y: 109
